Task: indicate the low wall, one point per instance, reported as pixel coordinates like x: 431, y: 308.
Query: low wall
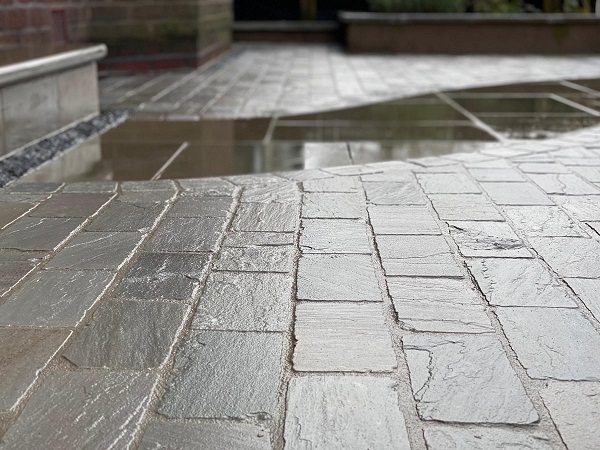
x: 471, y: 33
x: 287, y: 31
x: 40, y: 95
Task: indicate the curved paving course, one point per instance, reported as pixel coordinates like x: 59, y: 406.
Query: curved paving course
x: 447, y: 302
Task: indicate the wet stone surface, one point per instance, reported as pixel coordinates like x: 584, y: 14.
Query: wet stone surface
x: 186, y: 235
x: 30, y: 233
x: 127, y: 216
x: 256, y: 259
x: 334, y: 236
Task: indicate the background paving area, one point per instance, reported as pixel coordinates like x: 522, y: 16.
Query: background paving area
x: 447, y: 302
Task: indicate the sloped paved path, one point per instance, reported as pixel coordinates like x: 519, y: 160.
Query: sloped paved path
x: 264, y: 80
x: 442, y: 303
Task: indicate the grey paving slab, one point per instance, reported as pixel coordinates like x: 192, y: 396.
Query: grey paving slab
x: 180, y: 234
x: 569, y: 256
x: 334, y: 236
x: 337, y: 184
x: 261, y: 239
x: 271, y: 193
x: 202, y: 206
x: 192, y: 436
x: 317, y: 205
x: 342, y: 337
x: 97, y: 250
x: 447, y: 183
x: 245, y: 302
x: 304, y: 175
x: 207, y: 186
x: 71, y: 205
x: 465, y: 378
x: 337, y: 277
x: 417, y: 220
x: 542, y: 221
x: 565, y: 184
x: 553, y: 343
x: 344, y: 412
x: 221, y: 374
x: 465, y: 207
x: 543, y: 167
x: 516, y: 194
x: 492, y: 239
x: 14, y: 266
x: 575, y: 409
x: 29, y: 233
x: 128, y: 335
x: 479, y: 438
x: 391, y: 175
x: 591, y: 174
x: 426, y: 256
x: 23, y: 197
x: 391, y: 193
x: 498, y: 175
x: 584, y: 208
x: 33, y: 188
x: 91, y: 187
x: 54, y: 298
x: 519, y: 282
x: 147, y: 196
x: 256, y: 259
x: 25, y: 353
x: 10, y: 211
x: 155, y: 185
x: 126, y: 216
x: 255, y: 179
x: 588, y: 290
x: 155, y: 276
x: 83, y: 410
x: 276, y: 217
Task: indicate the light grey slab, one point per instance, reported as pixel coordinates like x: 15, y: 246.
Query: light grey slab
x: 592, y: 174
x: 447, y: 183
x: 588, y: 290
x: 464, y: 207
x: 403, y: 220
x: 440, y: 290
x: 337, y: 184
x: 91, y: 187
x: 570, y: 256
x: 517, y: 194
x: 193, y: 436
x: 467, y: 379
x: 334, y: 236
x: 543, y: 167
x: 391, y: 175
x: 276, y: 217
x: 147, y: 196
x: 479, y: 438
x: 29, y: 233
x: 304, y: 175
x: 97, y: 250
x: 427, y: 256
x: 389, y: 193
x: 553, y: 343
x: 72, y: 205
x: 33, y: 188
x: 542, y: 221
x: 245, y: 302
x: 126, y: 216
x: 342, y: 337
x: 208, y: 187
x: 584, y: 208
x: 256, y: 259
x: 337, y: 277
x: 25, y: 353
x: 54, y: 298
x: 221, y: 374
x: 499, y: 175
x: 202, y: 206
x: 332, y: 205
x: 564, y: 183
x: 83, y: 410
x: 259, y: 239
x: 271, y: 193
x: 148, y: 186
x: 493, y: 239
x: 186, y: 235
x: 128, y: 335
x: 340, y: 413
x: 519, y: 282
x: 575, y: 409
x: 254, y: 179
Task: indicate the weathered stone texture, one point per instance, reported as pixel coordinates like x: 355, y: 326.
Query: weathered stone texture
x: 30, y: 233
x: 186, y: 235
x: 332, y: 206
x: 494, y: 239
x: 447, y: 438
x: 417, y: 220
x: 276, y: 217
x: 72, y: 205
x: 334, y: 236
x: 256, y: 259
x: 570, y: 257
x: 464, y: 207
x: 447, y: 183
x: 386, y: 193
x: 516, y: 194
x: 125, y: 216
x: 542, y: 221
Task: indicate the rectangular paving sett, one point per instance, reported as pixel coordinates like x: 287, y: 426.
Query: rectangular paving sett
x: 245, y: 302
x: 221, y: 374
x: 72, y: 205
x: 542, y: 221
x: 332, y: 206
x: 248, y: 239
x: 125, y: 216
x: 10, y: 211
x: 271, y: 193
x: 256, y: 259
x: 493, y: 239
x: 465, y: 379
x: 54, y: 298
x: 342, y: 337
x: 337, y: 413
x: 447, y: 183
x: 202, y: 207
x: 479, y: 438
x: 186, y: 235
x: 570, y: 257
x: 406, y: 220
x: 30, y: 233
x: 465, y: 207
x: 25, y: 353
x: 566, y: 184
x: 334, y: 236
x: 83, y: 410
x: 276, y: 217
x: 336, y: 184
x: 515, y: 194
x: 388, y: 193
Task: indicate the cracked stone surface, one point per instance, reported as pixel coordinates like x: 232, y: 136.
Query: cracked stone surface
x: 465, y: 379
x: 541, y: 221
x: 570, y: 257
x: 494, y: 239
x: 336, y: 413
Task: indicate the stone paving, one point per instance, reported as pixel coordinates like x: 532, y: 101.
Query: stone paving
x: 439, y: 303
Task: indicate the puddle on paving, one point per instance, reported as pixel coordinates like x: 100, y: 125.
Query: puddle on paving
x: 429, y: 125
